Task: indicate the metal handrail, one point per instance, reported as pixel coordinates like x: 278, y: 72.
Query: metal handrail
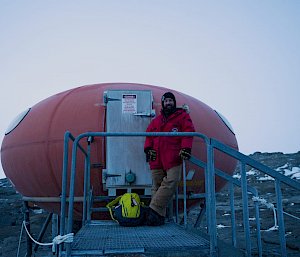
x: 255, y: 164
x: 210, y: 173
x: 67, y: 137
x: 279, y: 178
x: 232, y: 182
x: 210, y: 194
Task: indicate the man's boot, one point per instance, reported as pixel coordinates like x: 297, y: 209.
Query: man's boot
x: 154, y: 219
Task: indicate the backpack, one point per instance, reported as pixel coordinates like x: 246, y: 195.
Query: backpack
x: 127, y: 210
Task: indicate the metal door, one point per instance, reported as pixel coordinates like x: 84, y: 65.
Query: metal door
x: 127, y: 111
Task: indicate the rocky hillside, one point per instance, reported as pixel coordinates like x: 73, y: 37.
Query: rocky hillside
x: 288, y: 164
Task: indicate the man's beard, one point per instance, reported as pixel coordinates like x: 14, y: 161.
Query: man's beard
x: 169, y: 109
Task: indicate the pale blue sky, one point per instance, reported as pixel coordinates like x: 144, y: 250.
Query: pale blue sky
x: 241, y: 58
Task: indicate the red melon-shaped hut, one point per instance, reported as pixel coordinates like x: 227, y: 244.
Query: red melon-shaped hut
x: 32, y: 149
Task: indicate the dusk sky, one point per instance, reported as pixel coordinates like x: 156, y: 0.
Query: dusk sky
x: 241, y: 58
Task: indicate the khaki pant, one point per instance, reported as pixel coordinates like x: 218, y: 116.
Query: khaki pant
x: 163, y: 187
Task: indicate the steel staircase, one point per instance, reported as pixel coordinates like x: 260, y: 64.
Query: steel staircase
x: 98, y: 238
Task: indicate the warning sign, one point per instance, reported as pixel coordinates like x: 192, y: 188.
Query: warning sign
x: 129, y: 104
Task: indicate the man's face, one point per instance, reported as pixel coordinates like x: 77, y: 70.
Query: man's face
x: 169, y: 103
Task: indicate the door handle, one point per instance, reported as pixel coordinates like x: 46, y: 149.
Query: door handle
x: 145, y: 114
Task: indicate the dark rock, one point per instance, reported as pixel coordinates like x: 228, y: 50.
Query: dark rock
x: 11, y: 212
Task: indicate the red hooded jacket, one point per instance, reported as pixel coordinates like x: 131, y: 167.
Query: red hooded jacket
x: 168, y: 148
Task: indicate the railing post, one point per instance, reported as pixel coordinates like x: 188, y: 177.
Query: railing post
x: 177, y: 205
x: 233, y: 225
x: 64, y: 183
x: 86, y: 181
x: 184, y: 194
x: 280, y: 218
x: 27, y: 224
x: 89, y: 181
x: 71, y: 194
x: 211, y: 200
x: 245, y: 208
x: 90, y: 139
x: 85, y: 191
x: 259, y: 244
x: 54, y: 228
x: 207, y: 202
x: 64, y: 187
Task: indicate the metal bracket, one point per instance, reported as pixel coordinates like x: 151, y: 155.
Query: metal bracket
x: 145, y: 114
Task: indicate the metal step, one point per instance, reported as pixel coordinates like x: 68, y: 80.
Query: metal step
x: 99, y: 209
x: 102, y: 198
x: 107, y: 237
x: 110, y: 198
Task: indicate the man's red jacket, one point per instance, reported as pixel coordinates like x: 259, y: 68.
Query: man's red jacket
x: 168, y: 148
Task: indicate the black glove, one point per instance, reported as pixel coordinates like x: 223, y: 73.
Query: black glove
x: 150, y: 154
x: 185, y: 153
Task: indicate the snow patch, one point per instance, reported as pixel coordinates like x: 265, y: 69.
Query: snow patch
x: 294, y: 172
x: 222, y: 226
x: 252, y: 172
x: 282, y: 167
x: 38, y: 211
x: 288, y: 233
x: 274, y: 228
x: 237, y: 176
x: 265, y: 178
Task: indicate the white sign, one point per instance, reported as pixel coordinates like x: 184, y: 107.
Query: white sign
x: 129, y: 104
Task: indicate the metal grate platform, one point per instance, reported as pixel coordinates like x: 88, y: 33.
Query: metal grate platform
x: 107, y: 237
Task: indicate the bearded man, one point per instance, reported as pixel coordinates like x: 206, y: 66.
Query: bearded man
x: 165, y: 155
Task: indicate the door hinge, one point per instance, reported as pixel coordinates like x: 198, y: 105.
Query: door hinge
x: 107, y: 99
